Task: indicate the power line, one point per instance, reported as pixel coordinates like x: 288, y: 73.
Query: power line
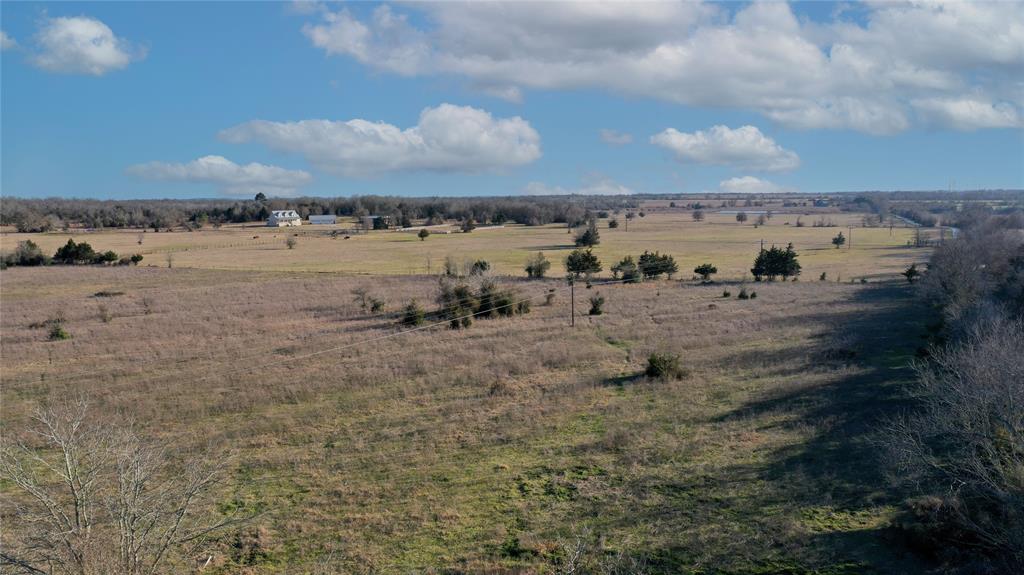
x: 263, y: 351
x: 662, y: 268
x: 447, y: 309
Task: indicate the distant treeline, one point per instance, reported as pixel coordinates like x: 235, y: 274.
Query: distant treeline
x: 35, y: 215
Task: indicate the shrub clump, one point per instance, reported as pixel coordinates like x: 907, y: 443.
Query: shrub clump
x: 459, y: 304
x: 627, y: 270
x: 596, y: 304
x: 26, y: 254
x: 57, y: 332
x: 413, y: 314
x: 664, y: 366
x: 537, y: 267
x: 479, y: 268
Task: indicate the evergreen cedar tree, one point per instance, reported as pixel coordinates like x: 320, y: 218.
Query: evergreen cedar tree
x: 649, y: 266
x: 589, y: 237
x: 582, y: 262
x: 705, y: 271
x: 627, y: 270
x: 72, y: 253
x: 652, y: 265
x: 775, y: 262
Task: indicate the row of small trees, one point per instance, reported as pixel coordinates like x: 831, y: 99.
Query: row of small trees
x: 769, y: 264
x: 647, y: 266
x: 28, y: 253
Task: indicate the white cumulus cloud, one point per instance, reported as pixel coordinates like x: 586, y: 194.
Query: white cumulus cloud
x: 616, y: 138
x: 745, y: 147
x: 447, y: 138
x: 81, y: 45
x: 968, y: 113
x: 232, y: 178
x: 750, y: 185
x: 839, y: 72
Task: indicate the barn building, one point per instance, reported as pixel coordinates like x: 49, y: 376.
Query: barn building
x: 323, y: 220
x: 282, y: 218
x: 376, y: 222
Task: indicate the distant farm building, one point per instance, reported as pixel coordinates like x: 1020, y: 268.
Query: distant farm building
x: 376, y: 222
x: 822, y: 202
x: 323, y: 220
x: 282, y: 218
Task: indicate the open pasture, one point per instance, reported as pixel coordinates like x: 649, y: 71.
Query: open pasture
x: 719, y: 239
x: 364, y: 449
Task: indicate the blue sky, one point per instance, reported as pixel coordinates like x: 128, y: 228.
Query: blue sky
x: 225, y: 99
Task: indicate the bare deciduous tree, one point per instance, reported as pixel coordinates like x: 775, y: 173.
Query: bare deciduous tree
x: 583, y: 553
x: 98, y: 499
x: 966, y: 444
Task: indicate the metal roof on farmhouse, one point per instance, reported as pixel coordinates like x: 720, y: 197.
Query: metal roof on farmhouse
x: 285, y: 214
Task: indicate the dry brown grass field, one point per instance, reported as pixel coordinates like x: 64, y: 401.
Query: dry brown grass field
x: 363, y: 449
x: 719, y: 239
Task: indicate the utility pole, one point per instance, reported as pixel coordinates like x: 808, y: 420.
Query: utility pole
x: 849, y: 239
x: 762, y: 244
x: 572, y: 301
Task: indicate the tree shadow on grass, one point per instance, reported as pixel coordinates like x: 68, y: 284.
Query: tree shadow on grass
x: 549, y: 248
x: 814, y: 505
x: 839, y: 464
x: 624, y: 380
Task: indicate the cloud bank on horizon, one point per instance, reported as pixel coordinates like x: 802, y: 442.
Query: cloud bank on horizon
x: 952, y: 65
x: 232, y: 179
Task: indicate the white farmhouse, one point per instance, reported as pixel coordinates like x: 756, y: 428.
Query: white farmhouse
x: 282, y: 218
x: 323, y: 220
